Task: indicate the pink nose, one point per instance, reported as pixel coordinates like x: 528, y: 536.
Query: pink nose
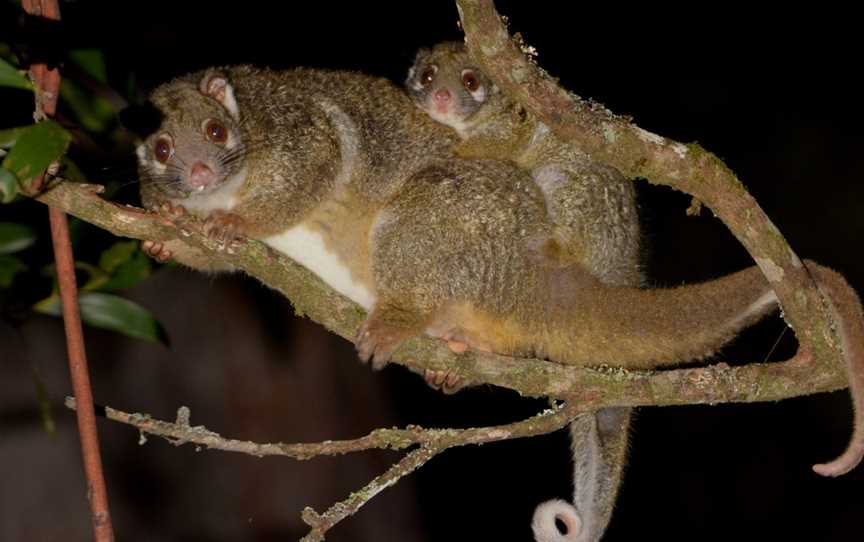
x: 201, y: 175
x: 442, y: 96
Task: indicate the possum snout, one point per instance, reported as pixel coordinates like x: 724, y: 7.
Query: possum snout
x: 201, y: 176
x: 442, y: 98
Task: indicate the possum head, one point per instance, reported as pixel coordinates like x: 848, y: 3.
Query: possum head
x: 198, y: 150
x: 446, y: 84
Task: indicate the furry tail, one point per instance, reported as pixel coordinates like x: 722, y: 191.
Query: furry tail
x: 599, y: 443
x: 556, y: 521
x: 647, y: 328
x: 848, y: 311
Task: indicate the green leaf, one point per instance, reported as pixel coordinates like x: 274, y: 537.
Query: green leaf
x: 8, y: 186
x: 37, y: 147
x: 117, y: 255
x: 9, y: 267
x: 71, y: 171
x: 10, y: 76
x: 122, y: 266
x: 9, y: 136
x: 15, y: 237
x: 91, y: 62
x: 107, y: 311
x: 129, y: 273
x: 95, y: 276
x: 93, y: 112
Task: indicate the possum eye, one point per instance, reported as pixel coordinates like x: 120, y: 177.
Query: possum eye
x: 427, y: 75
x: 470, y: 81
x: 163, y: 148
x: 215, y: 131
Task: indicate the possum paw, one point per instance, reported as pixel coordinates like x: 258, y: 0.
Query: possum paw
x: 376, y: 342
x: 168, y: 210
x: 157, y: 251
x: 382, y: 332
x: 446, y: 381
x: 224, y: 228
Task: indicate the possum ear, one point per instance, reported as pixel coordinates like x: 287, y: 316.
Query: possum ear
x: 216, y: 85
x: 421, y: 56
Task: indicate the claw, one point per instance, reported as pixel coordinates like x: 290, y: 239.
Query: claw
x: 157, y: 251
x: 446, y: 381
x: 378, y: 339
x: 453, y: 383
x: 365, y: 348
x: 224, y: 228
x: 167, y: 209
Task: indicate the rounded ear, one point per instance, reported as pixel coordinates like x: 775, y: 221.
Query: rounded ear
x: 216, y: 85
x: 421, y: 55
x: 419, y: 58
x: 213, y: 84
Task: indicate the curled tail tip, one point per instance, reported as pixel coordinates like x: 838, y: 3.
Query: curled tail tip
x: 556, y: 521
x: 843, y: 464
x: 829, y: 470
x: 846, y: 305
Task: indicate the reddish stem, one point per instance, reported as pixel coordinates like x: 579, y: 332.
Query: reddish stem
x: 48, y: 82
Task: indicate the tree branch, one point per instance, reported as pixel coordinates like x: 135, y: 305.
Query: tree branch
x: 182, y: 432
x: 594, y: 388
x: 321, y: 523
x: 431, y: 442
x: 47, y: 86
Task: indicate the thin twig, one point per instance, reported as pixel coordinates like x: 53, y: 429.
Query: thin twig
x: 48, y: 88
x: 431, y: 441
x: 545, y: 422
x: 181, y: 432
x: 321, y: 523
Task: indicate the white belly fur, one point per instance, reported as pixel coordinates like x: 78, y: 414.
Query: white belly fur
x: 307, y: 248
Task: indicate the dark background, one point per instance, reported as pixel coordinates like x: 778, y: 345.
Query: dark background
x: 777, y: 97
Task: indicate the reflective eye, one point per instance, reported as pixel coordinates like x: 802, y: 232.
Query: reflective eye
x: 470, y: 81
x: 163, y: 149
x: 215, y: 131
x: 427, y: 76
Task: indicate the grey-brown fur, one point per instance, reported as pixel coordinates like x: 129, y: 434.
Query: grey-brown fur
x: 592, y: 206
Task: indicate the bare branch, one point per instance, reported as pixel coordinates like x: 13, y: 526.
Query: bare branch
x: 431, y: 441
x: 321, y: 523
x: 181, y: 432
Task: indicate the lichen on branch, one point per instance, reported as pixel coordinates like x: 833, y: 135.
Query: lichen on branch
x: 595, y: 388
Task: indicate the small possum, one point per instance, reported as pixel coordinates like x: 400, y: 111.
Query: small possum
x: 594, y: 210
x: 592, y: 206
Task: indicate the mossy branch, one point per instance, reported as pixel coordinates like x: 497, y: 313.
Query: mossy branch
x: 593, y: 388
